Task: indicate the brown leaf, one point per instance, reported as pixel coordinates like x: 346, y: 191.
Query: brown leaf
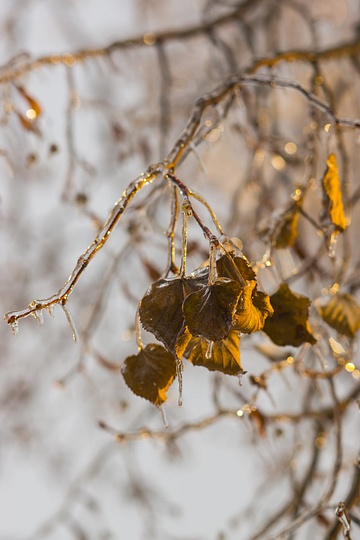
x: 161, y: 314
x: 287, y: 231
x: 259, y: 421
x: 253, y: 310
x: 33, y: 104
x: 209, y: 311
x: 342, y: 313
x: 150, y: 373
x: 225, y: 354
x: 333, y: 202
x: 235, y: 268
x: 289, y: 325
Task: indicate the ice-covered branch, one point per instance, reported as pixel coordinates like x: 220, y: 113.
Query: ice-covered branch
x: 61, y: 297
x: 175, y: 156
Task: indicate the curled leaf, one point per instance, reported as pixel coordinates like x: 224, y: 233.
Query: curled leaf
x: 150, y: 373
x: 342, y: 313
x: 254, y: 308
x: 224, y: 355
x: 289, y: 325
x: 333, y: 202
x: 209, y: 311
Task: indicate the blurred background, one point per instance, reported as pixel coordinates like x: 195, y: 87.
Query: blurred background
x: 91, y: 94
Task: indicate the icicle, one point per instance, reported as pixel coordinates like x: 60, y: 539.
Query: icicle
x: 15, y: 327
x: 38, y: 315
x: 179, y: 368
x: 209, y: 350
x: 163, y: 416
x: 70, y: 322
x: 186, y: 213
x: 240, y: 376
x: 50, y: 310
x: 212, y: 263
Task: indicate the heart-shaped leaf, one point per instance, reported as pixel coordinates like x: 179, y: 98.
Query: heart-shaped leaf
x: 289, y: 325
x: 224, y: 355
x: 161, y: 314
x: 253, y: 310
x: 150, y: 373
x: 209, y: 311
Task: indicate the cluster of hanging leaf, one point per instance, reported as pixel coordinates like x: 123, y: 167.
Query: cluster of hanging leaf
x: 201, y: 318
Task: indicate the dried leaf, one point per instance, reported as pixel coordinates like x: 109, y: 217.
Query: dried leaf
x: 333, y: 203
x: 150, y: 373
x: 106, y: 363
x: 151, y: 270
x: 209, y: 311
x: 161, y: 314
x: 254, y: 308
x: 289, y: 325
x: 259, y: 421
x: 235, y: 268
x: 287, y: 231
x: 33, y: 104
x: 342, y: 312
x: 225, y: 354
x: 259, y: 381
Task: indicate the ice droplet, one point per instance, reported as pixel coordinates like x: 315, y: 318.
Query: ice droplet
x: 163, y: 416
x: 209, y: 350
x: 15, y: 328
x: 332, y: 244
x: 179, y: 368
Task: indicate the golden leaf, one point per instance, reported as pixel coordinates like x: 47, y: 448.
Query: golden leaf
x: 221, y: 356
x: 342, y: 313
x: 334, y: 206
x: 255, y: 307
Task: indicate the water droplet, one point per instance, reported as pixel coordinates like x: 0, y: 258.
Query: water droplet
x: 163, y: 416
x: 209, y: 350
x: 15, y: 328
